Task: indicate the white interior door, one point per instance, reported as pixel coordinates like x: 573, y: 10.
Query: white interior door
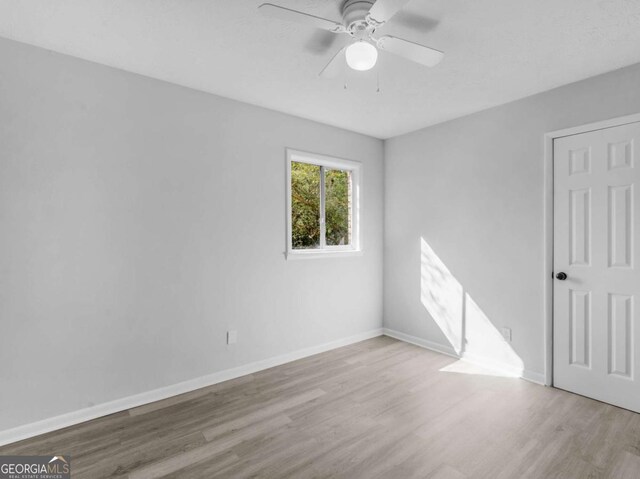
x: 596, y: 330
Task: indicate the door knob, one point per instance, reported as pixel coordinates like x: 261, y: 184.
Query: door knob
x: 561, y: 276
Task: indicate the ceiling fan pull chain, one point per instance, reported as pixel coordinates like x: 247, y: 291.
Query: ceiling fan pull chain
x: 378, y: 81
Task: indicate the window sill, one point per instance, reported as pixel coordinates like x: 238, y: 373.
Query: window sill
x: 317, y: 254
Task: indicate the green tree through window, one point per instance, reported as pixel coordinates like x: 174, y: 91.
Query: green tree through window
x: 305, y: 205
x: 337, y: 206
x: 307, y: 208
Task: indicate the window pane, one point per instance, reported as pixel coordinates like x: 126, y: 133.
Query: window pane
x: 305, y: 205
x: 338, y: 207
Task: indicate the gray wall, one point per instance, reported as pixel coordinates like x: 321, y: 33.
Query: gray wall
x: 473, y: 189
x: 140, y: 221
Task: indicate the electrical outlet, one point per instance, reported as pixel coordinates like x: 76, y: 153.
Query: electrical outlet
x: 232, y: 337
x: 506, y: 334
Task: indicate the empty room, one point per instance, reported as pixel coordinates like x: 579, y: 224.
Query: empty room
x: 320, y: 239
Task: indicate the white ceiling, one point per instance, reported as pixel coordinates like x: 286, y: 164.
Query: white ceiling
x: 496, y: 51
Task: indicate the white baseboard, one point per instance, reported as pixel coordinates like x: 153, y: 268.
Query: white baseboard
x: 533, y: 377
x: 423, y: 343
x: 530, y: 376
x: 75, y: 417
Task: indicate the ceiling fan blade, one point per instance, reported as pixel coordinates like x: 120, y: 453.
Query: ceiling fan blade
x: 289, y: 15
x: 383, y: 10
x: 410, y: 50
x: 321, y: 42
x: 335, y: 65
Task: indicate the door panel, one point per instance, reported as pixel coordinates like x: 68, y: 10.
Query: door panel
x: 580, y: 232
x: 620, y: 226
x: 580, y: 325
x: 596, y: 333
x: 620, y: 332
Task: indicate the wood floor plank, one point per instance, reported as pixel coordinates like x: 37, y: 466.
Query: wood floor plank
x: 198, y: 393
x: 262, y: 413
x: 376, y: 409
x: 627, y: 466
x: 205, y: 452
x: 447, y: 472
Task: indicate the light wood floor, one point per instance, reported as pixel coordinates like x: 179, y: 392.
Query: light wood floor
x: 379, y: 408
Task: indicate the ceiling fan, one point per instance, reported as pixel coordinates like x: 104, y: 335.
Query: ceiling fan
x: 360, y: 19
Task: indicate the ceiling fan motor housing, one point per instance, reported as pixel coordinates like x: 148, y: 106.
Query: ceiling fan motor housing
x: 354, y: 14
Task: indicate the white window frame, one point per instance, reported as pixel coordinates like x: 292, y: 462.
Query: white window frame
x: 355, y: 168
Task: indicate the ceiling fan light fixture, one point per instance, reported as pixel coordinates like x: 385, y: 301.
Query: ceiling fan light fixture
x: 361, y: 55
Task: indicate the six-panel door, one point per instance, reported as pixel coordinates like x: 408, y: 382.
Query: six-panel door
x: 596, y: 205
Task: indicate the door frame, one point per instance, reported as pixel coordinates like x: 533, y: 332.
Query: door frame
x: 548, y: 224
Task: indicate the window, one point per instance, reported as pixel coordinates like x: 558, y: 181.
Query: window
x: 323, y: 203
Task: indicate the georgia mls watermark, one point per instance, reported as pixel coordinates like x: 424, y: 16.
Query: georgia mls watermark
x: 35, y: 467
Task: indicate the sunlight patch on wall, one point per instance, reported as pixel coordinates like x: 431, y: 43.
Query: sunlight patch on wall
x: 485, y: 344
x: 442, y: 295
x: 467, y: 328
